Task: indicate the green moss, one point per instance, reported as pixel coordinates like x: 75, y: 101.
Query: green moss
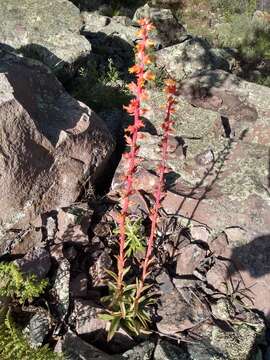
x: 14, y: 284
x: 13, y: 345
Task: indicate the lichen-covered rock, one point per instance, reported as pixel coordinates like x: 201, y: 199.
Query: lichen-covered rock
x: 168, y: 31
x: 243, y: 105
x: 50, y: 143
x: 189, y: 57
x: 167, y: 351
x: 75, y: 348
x: 178, y: 310
x: 38, y: 328
x: 143, y: 351
x: 46, y: 30
x: 86, y: 317
x: 94, y: 22
x: 238, y: 344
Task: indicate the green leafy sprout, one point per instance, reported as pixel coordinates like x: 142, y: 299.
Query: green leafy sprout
x: 14, y: 345
x: 125, y: 310
x: 15, y: 285
x: 135, y: 241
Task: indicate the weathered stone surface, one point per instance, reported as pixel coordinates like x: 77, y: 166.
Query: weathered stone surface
x: 243, y: 105
x: 180, y: 309
x: 78, y: 286
x: 61, y: 288
x: 143, y: 351
x: 168, y: 31
x: 97, y: 271
x: 48, y: 31
x: 38, y: 328
x: 240, y: 343
x: 143, y: 179
x: 37, y: 261
x: 94, y: 22
x: 49, y: 143
x: 189, y: 57
x: 86, y: 318
x: 189, y: 259
x: 228, y: 188
x: 252, y: 260
x: 75, y: 348
x: 190, y: 121
x: 167, y: 351
x: 73, y: 224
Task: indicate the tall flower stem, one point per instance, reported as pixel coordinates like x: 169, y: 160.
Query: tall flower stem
x: 135, y: 109
x: 170, y: 89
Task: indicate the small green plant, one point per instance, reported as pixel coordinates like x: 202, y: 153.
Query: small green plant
x: 100, y: 89
x: 15, y: 285
x: 135, y: 241
x: 14, y: 345
x: 112, y: 74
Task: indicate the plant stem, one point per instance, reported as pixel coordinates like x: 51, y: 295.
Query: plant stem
x: 131, y: 156
x: 158, y: 194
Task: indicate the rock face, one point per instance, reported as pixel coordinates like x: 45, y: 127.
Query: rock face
x: 168, y: 31
x: 244, y: 106
x: 50, y: 143
x: 47, y: 31
x: 190, y: 56
x: 94, y: 23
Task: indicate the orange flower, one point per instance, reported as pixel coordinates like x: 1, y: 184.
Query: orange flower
x: 147, y: 60
x: 133, y: 87
x: 170, y: 86
x: 149, y: 75
x: 135, y: 69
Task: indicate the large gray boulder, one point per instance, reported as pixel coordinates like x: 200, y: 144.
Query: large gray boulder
x: 185, y: 59
x: 50, y: 143
x: 168, y: 31
x: 46, y: 30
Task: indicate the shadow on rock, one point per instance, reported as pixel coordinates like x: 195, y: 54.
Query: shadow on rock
x: 252, y: 260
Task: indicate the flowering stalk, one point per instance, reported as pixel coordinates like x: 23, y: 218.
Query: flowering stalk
x: 135, y: 109
x: 170, y: 90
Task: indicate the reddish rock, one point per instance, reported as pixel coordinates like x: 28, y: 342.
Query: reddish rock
x: 50, y: 143
x: 86, y: 318
x: 78, y: 286
x: 199, y: 233
x: 37, y: 261
x: 178, y: 311
x: 73, y: 224
x: 252, y: 261
x: 189, y: 259
x: 244, y: 104
x: 142, y: 179
x: 222, y: 273
x: 220, y: 245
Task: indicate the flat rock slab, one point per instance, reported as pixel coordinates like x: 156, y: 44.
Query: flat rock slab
x: 243, y: 105
x: 50, y: 143
x: 46, y: 30
x: 189, y: 57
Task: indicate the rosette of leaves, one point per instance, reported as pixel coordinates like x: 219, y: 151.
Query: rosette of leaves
x: 135, y: 240
x: 126, y: 311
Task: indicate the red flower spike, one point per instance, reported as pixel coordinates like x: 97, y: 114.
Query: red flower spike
x: 133, y: 108
x: 170, y: 89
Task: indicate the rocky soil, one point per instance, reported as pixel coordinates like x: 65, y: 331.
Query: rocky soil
x: 63, y: 71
